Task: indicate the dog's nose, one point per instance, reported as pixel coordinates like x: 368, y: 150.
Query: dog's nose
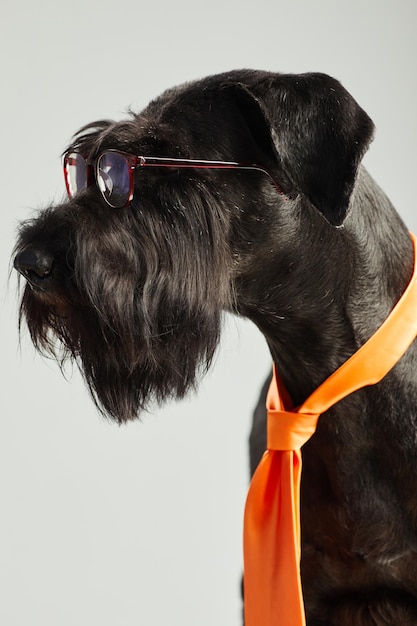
x: 36, y: 266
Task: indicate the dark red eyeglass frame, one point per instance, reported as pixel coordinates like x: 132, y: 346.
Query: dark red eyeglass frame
x: 166, y: 162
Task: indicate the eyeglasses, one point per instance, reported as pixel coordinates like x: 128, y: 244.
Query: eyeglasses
x: 113, y: 172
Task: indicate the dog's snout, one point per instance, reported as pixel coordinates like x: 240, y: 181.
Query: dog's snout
x: 35, y: 265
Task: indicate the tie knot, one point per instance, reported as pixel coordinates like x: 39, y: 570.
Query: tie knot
x: 289, y: 430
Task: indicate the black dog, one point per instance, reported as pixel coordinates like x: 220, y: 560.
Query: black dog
x: 299, y: 239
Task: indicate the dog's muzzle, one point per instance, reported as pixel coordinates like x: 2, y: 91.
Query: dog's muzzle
x: 36, y: 266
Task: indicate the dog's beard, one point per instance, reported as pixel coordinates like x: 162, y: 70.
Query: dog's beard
x: 140, y: 310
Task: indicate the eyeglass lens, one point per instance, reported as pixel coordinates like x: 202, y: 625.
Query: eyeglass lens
x: 76, y: 168
x: 113, y: 178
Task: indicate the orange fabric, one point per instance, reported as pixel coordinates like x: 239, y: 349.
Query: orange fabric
x: 272, y: 539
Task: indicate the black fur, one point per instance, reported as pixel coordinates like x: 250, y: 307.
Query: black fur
x: 136, y: 297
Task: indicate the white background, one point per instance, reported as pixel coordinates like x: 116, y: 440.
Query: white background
x: 141, y: 525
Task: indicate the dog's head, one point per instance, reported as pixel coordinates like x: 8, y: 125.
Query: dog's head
x: 136, y: 294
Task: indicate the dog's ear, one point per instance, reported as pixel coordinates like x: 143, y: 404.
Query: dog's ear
x: 315, y: 132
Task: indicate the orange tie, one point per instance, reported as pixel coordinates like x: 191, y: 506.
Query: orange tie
x: 272, y: 538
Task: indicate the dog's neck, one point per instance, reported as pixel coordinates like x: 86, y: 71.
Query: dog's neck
x: 318, y: 302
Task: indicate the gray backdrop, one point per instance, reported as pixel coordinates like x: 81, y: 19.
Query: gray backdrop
x: 141, y: 525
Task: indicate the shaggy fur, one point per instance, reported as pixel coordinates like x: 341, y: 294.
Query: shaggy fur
x: 136, y: 297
